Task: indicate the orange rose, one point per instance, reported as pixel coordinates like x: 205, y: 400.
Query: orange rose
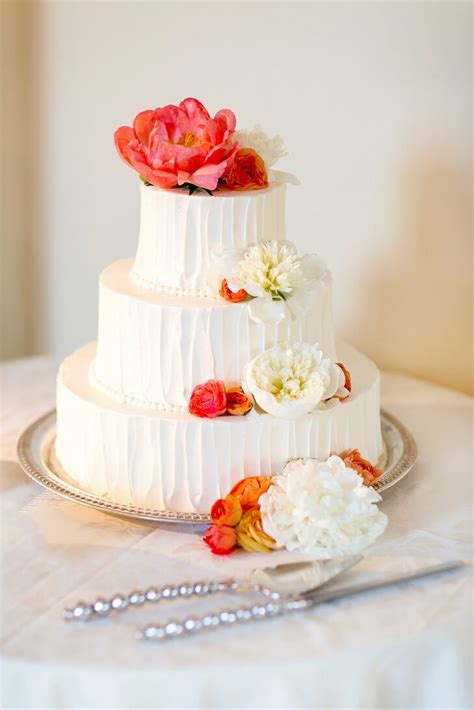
x: 250, y: 534
x: 352, y: 459
x: 249, y: 490
x: 238, y: 403
x: 226, y: 511
x: 247, y: 172
x: 347, y: 383
x: 232, y: 296
x: 222, y: 539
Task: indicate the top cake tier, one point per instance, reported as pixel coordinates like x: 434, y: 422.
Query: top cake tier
x: 178, y: 232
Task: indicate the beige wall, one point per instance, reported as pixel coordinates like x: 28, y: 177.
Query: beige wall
x: 373, y: 99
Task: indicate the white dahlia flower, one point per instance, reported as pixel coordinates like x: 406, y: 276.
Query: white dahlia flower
x: 269, y: 268
x: 273, y: 275
x: 270, y: 149
x: 291, y: 379
x: 322, y: 508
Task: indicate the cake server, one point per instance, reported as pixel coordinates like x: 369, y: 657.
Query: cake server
x: 277, y: 607
x: 286, y: 580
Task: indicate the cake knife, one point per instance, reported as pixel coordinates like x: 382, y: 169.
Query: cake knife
x: 285, y: 580
x: 278, y: 607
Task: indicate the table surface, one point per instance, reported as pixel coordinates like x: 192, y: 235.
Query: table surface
x: 407, y: 647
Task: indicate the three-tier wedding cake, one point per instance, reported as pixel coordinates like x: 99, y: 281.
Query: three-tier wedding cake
x: 216, y: 357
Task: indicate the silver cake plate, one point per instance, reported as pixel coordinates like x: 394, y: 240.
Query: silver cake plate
x: 36, y: 443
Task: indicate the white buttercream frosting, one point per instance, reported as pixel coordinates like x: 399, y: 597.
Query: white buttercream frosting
x: 180, y: 462
x: 178, y: 231
x: 154, y: 349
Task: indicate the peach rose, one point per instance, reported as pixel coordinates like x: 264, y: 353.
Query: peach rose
x: 250, y: 534
x: 232, y: 296
x: 247, y: 172
x: 352, y: 459
x: 208, y: 400
x: 238, y: 403
x: 347, y: 383
x: 222, y: 539
x: 249, y: 490
x: 226, y: 511
x: 178, y: 145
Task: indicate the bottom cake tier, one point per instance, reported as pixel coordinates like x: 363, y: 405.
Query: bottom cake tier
x: 182, y: 463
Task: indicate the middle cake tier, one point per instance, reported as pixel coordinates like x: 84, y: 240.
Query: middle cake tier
x: 152, y: 349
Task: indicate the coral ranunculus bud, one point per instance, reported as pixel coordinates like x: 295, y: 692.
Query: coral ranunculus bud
x: 247, y: 171
x: 208, y: 400
x: 250, y: 534
x: 347, y: 383
x: 249, y: 490
x: 232, y: 296
x: 222, y: 539
x: 226, y: 511
x: 238, y: 403
x: 352, y: 459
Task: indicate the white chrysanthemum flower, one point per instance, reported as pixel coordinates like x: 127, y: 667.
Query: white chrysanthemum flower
x: 271, y: 272
x: 270, y: 149
x: 322, y: 508
x: 270, y: 268
x: 291, y: 379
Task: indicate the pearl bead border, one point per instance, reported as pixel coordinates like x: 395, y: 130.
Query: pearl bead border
x: 170, y: 290
x: 134, y: 401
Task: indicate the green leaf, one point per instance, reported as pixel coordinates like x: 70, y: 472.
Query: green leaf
x: 192, y: 189
x: 145, y: 181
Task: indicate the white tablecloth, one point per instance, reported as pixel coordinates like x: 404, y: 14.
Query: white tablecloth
x: 407, y: 647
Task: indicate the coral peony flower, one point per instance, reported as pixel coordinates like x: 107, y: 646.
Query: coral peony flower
x: 250, y: 534
x: 321, y: 507
x: 344, y: 392
x: 208, y: 400
x: 353, y: 459
x: 232, y: 296
x: 291, y: 379
x: 247, y: 172
x: 226, y: 511
x: 222, y: 539
x: 249, y: 490
x: 177, y: 145
x: 238, y: 403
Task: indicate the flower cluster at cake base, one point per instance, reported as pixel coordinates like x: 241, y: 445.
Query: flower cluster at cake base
x: 183, y: 146
x: 236, y: 520
x: 325, y: 508
x: 270, y: 275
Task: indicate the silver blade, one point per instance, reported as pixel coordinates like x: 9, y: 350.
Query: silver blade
x: 319, y: 597
x: 296, y: 578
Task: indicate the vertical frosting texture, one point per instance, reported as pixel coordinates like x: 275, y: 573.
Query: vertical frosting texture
x: 182, y: 463
x: 178, y: 231
x: 154, y: 349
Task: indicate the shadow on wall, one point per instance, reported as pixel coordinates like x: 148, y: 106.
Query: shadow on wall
x: 21, y: 116
x: 414, y: 312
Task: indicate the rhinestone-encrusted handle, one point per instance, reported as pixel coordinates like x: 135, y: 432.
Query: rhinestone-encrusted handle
x: 193, y: 625
x: 100, y: 608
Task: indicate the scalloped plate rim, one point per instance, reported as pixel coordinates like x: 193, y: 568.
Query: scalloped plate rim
x: 39, y: 435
